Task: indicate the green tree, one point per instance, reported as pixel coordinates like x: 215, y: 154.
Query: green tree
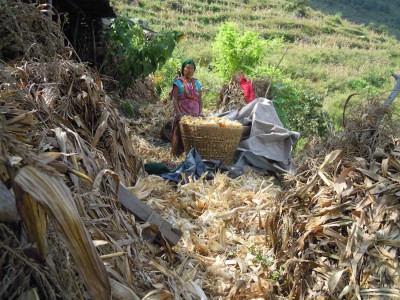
x: 234, y: 50
x: 135, y: 55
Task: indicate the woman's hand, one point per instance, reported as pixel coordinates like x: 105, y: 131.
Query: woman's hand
x: 180, y: 116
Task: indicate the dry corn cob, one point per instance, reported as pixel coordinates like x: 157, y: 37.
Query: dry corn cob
x: 210, y: 122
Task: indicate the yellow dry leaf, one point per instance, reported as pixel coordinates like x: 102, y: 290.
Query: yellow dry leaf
x: 55, y: 197
x: 215, y: 246
x: 331, y: 157
x: 334, y: 279
x: 122, y: 292
x: 33, y: 217
x: 341, y: 183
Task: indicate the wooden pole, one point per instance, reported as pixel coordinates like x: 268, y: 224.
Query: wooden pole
x: 272, y: 77
x: 393, y: 93
x: 93, y: 42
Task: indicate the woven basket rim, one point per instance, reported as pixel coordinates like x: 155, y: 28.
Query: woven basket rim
x: 207, y: 125
x: 211, y: 128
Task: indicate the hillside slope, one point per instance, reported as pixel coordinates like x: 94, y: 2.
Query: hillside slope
x: 329, y: 55
x: 379, y: 15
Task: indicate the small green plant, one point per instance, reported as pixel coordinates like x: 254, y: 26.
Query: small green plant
x: 278, y: 274
x: 371, y: 83
x: 265, y: 261
x: 164, y: 77
x: 235, y: 51
x: 357, y: 84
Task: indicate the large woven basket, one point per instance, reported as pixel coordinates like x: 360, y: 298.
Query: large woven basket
x: 217, y: 143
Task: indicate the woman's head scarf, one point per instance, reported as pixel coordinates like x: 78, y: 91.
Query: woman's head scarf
x: 188, y: 62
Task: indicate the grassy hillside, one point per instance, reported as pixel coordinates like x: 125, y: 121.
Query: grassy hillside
x: 330, y: 56
x: 378, y: 15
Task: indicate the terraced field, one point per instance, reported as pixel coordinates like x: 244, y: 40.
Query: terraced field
x: 327, y: 54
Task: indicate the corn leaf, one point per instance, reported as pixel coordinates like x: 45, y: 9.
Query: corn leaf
x: 52, y: 193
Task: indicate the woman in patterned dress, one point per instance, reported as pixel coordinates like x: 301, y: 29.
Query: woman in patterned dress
x: 186, y: 97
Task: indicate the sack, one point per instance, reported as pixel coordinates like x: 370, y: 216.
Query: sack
x: 247, y: 88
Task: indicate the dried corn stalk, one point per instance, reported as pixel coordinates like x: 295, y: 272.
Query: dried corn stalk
x: 337, y: 238
x: 231, y: 97
x: 29, y: 32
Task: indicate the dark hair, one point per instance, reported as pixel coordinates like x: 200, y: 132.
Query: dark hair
x: 188, y: 62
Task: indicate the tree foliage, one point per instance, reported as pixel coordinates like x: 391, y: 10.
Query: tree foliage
x: 136, y: 55
x: 235, y: 51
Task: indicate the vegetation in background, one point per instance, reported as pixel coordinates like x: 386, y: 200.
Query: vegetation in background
x: 236, y: 50
x: 381, y: 16
x: 211, y: 82
x: 328, y: 57
x: 134, y: 54
x: 298, y: 6
x: 298, y: 107
x: 164, y: 77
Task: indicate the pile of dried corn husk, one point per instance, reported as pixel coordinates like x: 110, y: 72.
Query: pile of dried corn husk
x: 61, y: 141
x: 63, y: 234
x: 214, y: 216
x: 231, y: 97
x: 260, y: 87
x: 336, y: 230
x: 143, y: 89
x: 28, y: 32
x: 152, y: 119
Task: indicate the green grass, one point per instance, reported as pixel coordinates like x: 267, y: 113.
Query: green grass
x: 327, y: 54
x: 380, y: 12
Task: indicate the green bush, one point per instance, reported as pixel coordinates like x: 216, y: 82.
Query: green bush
x: 336, y: 19
x: 235, y: 51
x: 381, y: 29
x: 133, y: 54
x: 164, y: 77
x: 297, y: 107
x: 299, y: 6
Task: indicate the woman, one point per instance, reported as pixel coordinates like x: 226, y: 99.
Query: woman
x: 186, y: 97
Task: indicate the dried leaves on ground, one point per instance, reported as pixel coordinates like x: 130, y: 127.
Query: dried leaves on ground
x: 331, y: 231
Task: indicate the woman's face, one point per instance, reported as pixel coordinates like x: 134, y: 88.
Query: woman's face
x: 188, y: 70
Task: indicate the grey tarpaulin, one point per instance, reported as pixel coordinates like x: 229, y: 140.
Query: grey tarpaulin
x: 265, y: 143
